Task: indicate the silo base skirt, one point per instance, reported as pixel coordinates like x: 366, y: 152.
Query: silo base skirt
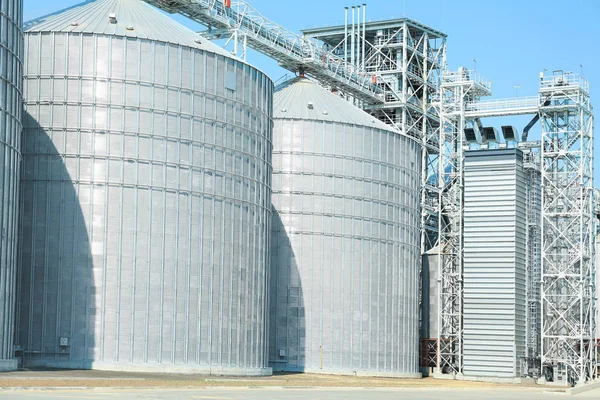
x: 154, y: 368
x: 365, y: 373
x: 9, y: 365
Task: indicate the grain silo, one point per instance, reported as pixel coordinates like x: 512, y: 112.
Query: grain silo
x: 11, y: 104
x: 146, y: 185
x: 345, y: 247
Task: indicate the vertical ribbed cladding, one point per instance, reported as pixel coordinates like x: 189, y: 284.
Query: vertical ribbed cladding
x: 345, y: 245
x: 11, y: 105
x: 495, y: 261
x: 146, y: 186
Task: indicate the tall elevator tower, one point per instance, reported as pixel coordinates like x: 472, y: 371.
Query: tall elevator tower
x: 406, y: 59
x: 568, y: 308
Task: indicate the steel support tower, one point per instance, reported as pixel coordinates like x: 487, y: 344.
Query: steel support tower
x: 406, y: 59
x: 568, y: 308
x: 459, y: 88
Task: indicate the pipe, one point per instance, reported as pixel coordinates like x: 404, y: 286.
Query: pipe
x: 235, y: 43
x: 352, y: 39
x: 533, y: 121
x: 320, y: 357
x: 364, y: 57
x: 346, y: 36
x: 245, y: 46
x: 358, y: 35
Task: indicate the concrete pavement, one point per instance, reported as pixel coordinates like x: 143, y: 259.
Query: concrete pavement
x: 516, y: 393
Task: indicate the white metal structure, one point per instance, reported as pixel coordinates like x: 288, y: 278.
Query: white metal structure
x: 242, y: 22
x: 407, y: 58
x: 566, y: 313
x: 459, y: 88
x: 567, y: 226
x: 394, y: 69
x: 502, y: 107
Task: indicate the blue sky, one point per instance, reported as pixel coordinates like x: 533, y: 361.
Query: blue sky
x: 511, y: 41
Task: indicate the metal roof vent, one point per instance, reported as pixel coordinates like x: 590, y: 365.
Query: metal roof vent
x: 74, y: 23
x: 284, y: 110
x: 112, y: 18
x: 310, y: 105
x: 325, y: 112
x: 199, y: 41
x: 129, y: 27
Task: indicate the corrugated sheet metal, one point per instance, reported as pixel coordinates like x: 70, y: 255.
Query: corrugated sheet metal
x: 430, y: 301
x: 134, y: 19
x: 345, y: 246
x: 494, y: 263
x: 300, y: 98
x: 11, y: 103
x: 146, y: 206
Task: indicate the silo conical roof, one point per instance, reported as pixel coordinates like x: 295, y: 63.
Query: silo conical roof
x: 132, y: 18
x: 301, y: 98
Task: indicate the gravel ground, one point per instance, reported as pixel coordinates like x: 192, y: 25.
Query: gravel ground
x: 88, y: 378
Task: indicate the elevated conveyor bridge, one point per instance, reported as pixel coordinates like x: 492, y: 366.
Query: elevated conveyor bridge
x: 289, y: 49
x: 502, y: 107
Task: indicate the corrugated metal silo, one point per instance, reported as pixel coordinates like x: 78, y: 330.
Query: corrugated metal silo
x: 345, y: 246
x: 146, y: 186
x: 11, y: 105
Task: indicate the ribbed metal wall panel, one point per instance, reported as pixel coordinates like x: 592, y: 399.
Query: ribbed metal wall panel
x: 345, y: 246
x: 11, y: 105
x: 146, y: 213
x: 494, y: 263
x: 430, y: 302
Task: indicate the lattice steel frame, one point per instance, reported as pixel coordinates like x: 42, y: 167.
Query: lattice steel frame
x: 292, y: 51
x: 568, y: 308
x: 458, y: 89
x: 531, y: 163
x: 407, y: 59
x: 410, y: 60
